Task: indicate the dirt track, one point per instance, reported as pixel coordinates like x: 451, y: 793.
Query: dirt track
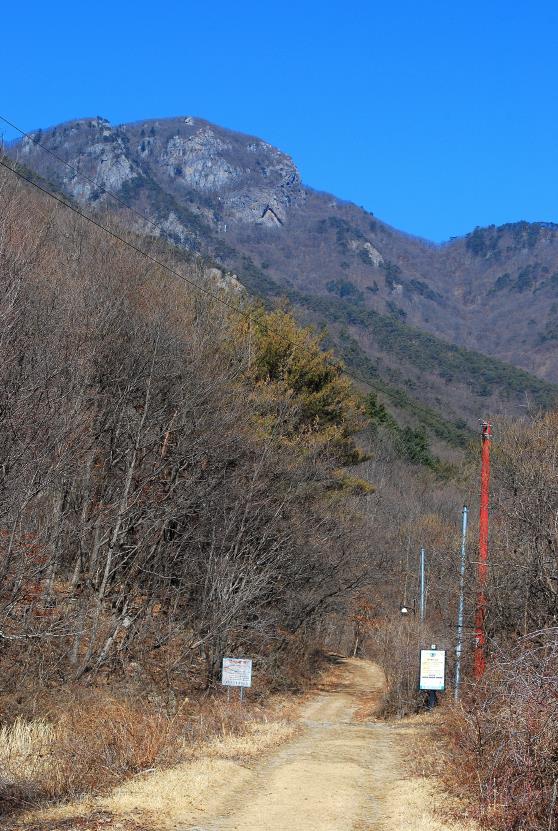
x: 339, y: 775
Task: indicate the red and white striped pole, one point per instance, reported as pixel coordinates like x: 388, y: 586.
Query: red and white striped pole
x: 480, y: 615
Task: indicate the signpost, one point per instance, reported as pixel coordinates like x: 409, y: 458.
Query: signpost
x: 432, y: 672
x: 237, y: 672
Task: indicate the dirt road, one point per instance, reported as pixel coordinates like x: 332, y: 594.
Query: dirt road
x: 338, y: 775
x: 337, y: 772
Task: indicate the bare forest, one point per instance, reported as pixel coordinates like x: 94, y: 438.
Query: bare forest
x: 187, y: 474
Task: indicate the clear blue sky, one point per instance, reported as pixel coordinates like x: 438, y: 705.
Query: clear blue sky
x: 436, y: 116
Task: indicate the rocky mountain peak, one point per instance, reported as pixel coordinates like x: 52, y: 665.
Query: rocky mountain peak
x: 235, y: 178
x: 240, y: 203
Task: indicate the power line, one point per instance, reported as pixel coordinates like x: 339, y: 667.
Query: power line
x: 157, y: 262
x: 125, y: 204
x: 142, y: 216
x: 83, y: 175
x: 117, y: 198
x: 126, y: 242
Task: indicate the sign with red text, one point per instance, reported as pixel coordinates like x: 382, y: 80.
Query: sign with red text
x: 237, y: 672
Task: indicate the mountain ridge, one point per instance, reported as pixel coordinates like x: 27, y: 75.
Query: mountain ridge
x: 241, y: 202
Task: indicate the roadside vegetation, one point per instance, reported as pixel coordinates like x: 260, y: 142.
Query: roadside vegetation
x: 172, y: 490
x: 504, y: 736
x: 499, y: 749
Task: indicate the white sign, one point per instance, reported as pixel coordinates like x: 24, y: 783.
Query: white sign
x: 237, y: 672
x: 433, y: 669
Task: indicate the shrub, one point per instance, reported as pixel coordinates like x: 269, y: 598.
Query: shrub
x: 88, y: 745
x: 504, y: 739
x: 396, y: 648
x: 97, y: 740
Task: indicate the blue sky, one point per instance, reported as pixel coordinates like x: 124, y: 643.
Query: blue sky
x: 435, y: 116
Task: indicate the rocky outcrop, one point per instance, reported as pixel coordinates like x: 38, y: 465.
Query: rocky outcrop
x: 91, y: 148
x: 109, y: 169
x: 199, y: 161
x: 237, y: 178
x: 375, y: 257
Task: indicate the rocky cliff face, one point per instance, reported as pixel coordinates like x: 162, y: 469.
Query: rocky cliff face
x: 92, y: 147
x: 224, y: 177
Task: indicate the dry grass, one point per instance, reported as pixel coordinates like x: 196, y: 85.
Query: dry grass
x: 89, y: 745
x: 496, y: 755
x: 502, y: 742
x: 26, y: 750
x: 164, y: 797
x: 96, y: 742
x: 173, y: 795
x: 258, y: 738
x: 369, y: 705
x: 422, y: 796
x: 503, y: 758
x: 418, y: 804
x: 220, y: 770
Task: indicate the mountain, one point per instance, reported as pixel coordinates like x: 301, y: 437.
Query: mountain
x: 444, y: 333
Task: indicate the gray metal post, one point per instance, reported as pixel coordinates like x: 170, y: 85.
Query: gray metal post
x: 422, y: 587
x: 459, y: 644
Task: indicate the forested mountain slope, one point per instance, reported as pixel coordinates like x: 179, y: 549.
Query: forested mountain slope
x: 401, y: 311
x: 165, y: 469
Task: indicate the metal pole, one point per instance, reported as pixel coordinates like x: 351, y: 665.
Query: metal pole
x: 459, y: 645
x: 422, y: 589
x: 480, y: 615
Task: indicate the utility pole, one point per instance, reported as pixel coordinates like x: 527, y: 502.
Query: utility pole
x: 480, y: 615
x: 422, y: 586
x: 459, y: 645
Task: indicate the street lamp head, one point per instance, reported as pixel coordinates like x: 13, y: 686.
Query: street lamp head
x: 404, y: 610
